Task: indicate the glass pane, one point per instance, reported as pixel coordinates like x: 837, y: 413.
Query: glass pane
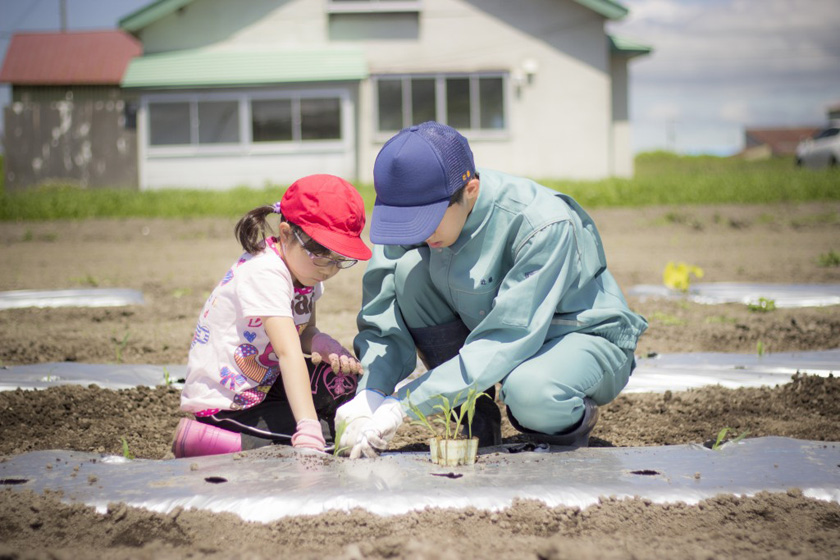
x: 491, y: 102
x: 422, y: 100
x: 320, y: 119
x: 390, y: 104
x: 271, y: 120
x: 169, y: 123
x: 218, y: 122
x: 458, y: 102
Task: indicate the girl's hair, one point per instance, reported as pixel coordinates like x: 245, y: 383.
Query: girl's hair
x: 251, y: 230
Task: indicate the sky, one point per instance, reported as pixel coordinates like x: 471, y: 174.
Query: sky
x: 717, y: 66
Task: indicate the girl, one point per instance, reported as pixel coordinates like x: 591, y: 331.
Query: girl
x: 260, y: 321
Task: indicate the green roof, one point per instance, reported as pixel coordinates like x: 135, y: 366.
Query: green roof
x: 626, y: 47
x: 202, y: 68
x: 161, y: 8
x: 607, y: 8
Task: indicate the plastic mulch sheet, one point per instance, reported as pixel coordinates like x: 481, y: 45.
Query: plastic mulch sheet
x: 782, y: 295
x: 278, y: 481
x: 85, y: 297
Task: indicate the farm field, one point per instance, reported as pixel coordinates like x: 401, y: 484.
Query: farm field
x: 176, y: 262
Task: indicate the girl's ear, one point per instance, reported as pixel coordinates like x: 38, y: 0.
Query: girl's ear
x: 284, y: 231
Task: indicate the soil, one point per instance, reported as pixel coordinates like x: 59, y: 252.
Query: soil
x: 175, y: 263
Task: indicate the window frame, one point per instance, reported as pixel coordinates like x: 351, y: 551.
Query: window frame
x: 246, y: 144
x: 440, y: 78
x: 373, y: 6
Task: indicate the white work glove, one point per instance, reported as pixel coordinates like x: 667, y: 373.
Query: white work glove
x: 325, y: 347
x: 377, y: 432
x: 353, y: 415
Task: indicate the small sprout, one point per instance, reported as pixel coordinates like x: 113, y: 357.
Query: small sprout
x: 167, y: 380
x: 830, y: 259
x: 759, y: 348
x: 339, y: 433
x: 677, y: 276
x: 119, y: 346
x: 450, y: 417
x: 722, y: 435
x: 126, y: 452
x: 763, y: 305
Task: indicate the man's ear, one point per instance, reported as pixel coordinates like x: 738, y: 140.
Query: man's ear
x: 471, y: 190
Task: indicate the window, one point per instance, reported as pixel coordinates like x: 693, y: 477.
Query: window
x: 225, y: 120
x: 363, y: 6
x: 271, y: 120
x: 169, y: 123
x: 474, y: 102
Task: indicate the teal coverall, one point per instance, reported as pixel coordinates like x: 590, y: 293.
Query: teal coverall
x: 528, y: 278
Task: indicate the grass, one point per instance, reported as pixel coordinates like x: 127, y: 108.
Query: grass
x: 661, y: 178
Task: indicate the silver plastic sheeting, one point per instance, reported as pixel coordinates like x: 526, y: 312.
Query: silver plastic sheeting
x: 783, y: 295
x: 668, y: 372
x: 679, y: 372
x: 108, y: 376
x: 271, y: 483
x: 84, y: 297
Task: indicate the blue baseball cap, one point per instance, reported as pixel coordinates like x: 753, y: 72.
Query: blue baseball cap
x: 415, y: 174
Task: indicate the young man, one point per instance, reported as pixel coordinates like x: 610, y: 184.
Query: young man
x: 491, y: 279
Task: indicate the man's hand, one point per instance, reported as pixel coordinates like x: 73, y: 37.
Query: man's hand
x: 325, y: 347
x: 353, y: 415
x: 309, y: 435
x: 377, y: 432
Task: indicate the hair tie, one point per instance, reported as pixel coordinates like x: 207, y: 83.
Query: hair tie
x: 276, y: 207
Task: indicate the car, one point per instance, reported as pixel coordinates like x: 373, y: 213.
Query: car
x: 821, y: 150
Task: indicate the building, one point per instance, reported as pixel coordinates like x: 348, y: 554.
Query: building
x: 265, y: 91
x: 69, y: 120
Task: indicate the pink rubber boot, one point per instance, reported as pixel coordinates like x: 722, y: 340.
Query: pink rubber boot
x: 193, y: 439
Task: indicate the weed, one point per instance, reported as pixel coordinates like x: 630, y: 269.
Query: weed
x: 763, y: 305
x: 759, y: 348
x: 126, y: 452
x: 668, y: 320
x: 722, y: 434
x: 119, y: 346
x: 167, y: 380
x: 86, y: 280
x: 721, y: 319
x: 830, y: 259
x: 181, y: 292
x: 677, y: 276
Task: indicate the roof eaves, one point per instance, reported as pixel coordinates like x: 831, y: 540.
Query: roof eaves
x: 147, y: 15
x: 607, y: 8
x: 626, y: 47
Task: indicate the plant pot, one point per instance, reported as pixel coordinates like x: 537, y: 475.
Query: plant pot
x: 453, y: 452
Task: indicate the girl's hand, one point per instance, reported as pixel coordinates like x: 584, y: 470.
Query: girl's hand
x: 309, y: 435
x: 340, y: 359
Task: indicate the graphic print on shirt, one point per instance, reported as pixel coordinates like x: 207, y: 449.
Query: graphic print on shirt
x: 335, y: 384
x: 249, y: 398
x: 231, y: 379
x: 253, y: 364
x: 200, y: 336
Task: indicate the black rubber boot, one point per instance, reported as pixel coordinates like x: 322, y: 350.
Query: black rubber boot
x: 438, y: 344
x: 575, y: 437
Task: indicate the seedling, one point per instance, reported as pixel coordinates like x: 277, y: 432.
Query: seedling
x: 126, y: 452
x: 339, y: 433
x: 449, y: 418
x: 120, y: 346
x: 763, y: 305
x: 677, y: 276
x: 166, y: 379
x: 759, y: 348
x: 722, y: 434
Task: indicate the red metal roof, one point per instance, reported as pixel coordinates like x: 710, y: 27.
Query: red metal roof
x: 77, y: 58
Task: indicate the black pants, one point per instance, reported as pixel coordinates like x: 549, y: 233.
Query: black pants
x: 272, y: 421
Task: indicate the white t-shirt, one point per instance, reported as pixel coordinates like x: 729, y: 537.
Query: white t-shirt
x: 232, y: 364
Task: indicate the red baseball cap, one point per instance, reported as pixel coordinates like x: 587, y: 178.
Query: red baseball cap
x: 330, y: 210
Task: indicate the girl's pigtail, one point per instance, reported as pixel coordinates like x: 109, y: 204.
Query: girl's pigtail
x: 250, y: 229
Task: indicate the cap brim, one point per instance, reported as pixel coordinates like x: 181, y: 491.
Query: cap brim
x: 405, y: 225
x: 346, y: 246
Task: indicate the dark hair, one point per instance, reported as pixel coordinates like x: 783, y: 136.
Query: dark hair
x: 458, y: 196
x: 251, y: 231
